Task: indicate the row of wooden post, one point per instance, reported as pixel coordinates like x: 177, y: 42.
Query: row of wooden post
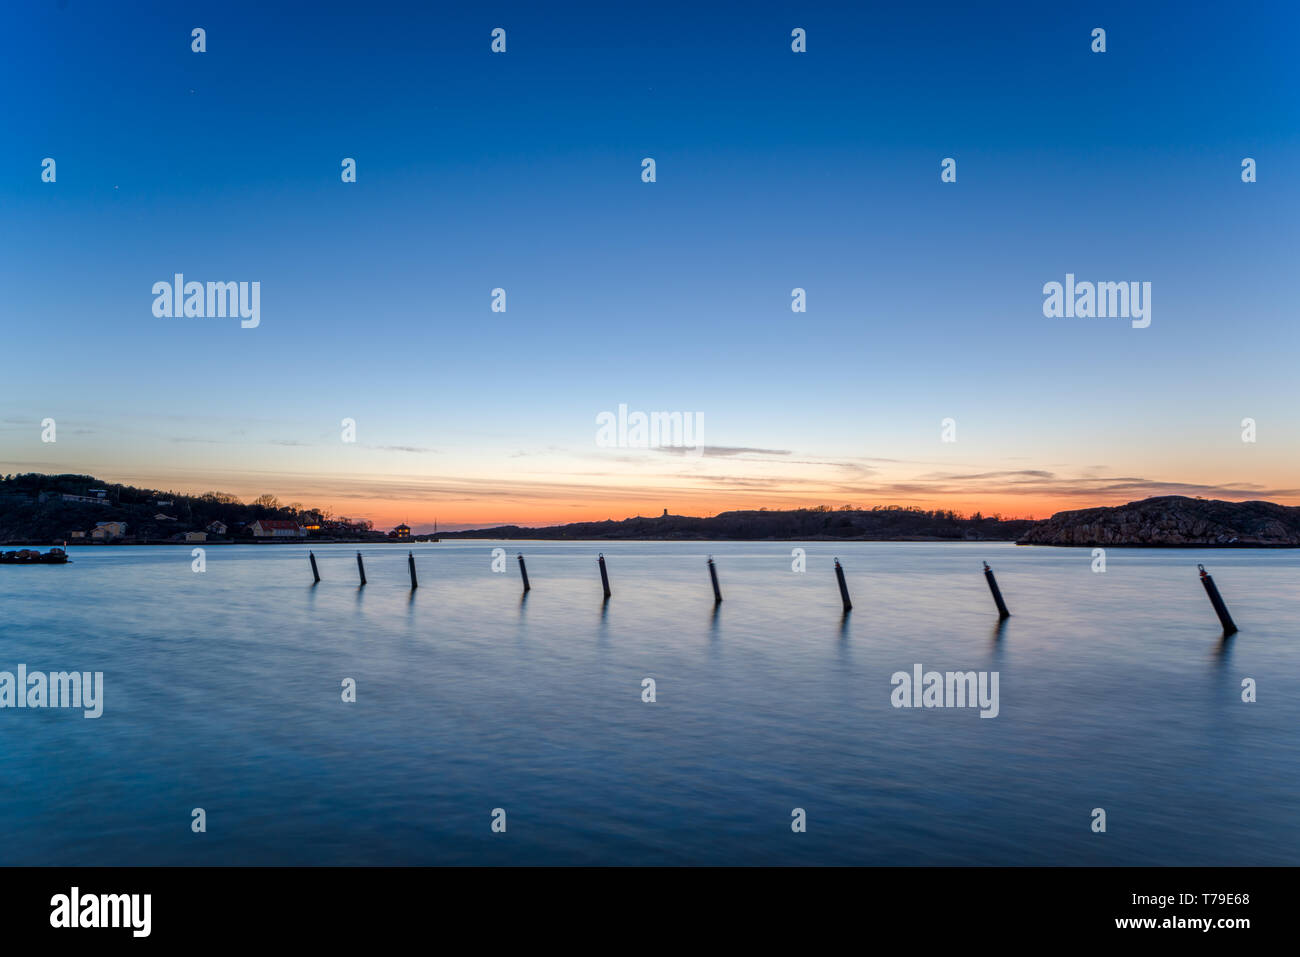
x: 1216, y: 600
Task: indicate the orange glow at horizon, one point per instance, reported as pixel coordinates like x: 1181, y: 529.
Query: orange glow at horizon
x: 450, y: 516
x: 610, y: 504
x: 478, y: 494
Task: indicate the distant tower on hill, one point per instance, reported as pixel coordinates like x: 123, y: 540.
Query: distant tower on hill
x: 665, y: 514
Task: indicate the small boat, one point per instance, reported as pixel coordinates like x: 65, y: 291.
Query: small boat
x: 33, y: 556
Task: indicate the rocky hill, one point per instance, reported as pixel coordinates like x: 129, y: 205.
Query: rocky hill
x: 1172, y: 520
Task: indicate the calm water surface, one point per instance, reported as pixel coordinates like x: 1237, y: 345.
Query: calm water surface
x: 223, y: 692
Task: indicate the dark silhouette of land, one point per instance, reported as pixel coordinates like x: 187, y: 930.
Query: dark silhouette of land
x: 45, y: 509
x: 40, y: 509
x: 1173, y: 521
x: 1166, y: 521
x: 883, y: 524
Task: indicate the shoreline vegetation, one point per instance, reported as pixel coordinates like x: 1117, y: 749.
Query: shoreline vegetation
x: 37, y: 509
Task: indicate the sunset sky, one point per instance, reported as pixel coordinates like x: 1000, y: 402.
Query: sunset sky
x: 775, y: 170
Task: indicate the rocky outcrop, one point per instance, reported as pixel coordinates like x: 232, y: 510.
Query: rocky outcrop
x: 1172, y: 520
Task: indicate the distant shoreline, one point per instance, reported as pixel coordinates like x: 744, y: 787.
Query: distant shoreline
x: 41, y: 510
x: 497, y: 538
x: 684, y: 541
x: 79, y: 543
x: 1164, y: 545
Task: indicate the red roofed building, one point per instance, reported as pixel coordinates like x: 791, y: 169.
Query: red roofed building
x: 276, y: 528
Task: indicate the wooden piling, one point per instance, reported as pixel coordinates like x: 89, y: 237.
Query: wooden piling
x: 523, y: 571
x: 361, y: 568
x: 1220, y: 609
x: 844, y: 589
x: 410, y: 562
x: 314, y: 573
x: 713, y: 574
x: 604, y: 575
x: 997, y: 592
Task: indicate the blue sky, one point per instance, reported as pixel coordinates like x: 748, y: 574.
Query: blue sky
x: 774, y: 170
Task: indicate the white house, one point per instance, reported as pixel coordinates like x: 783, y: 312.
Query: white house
x: 276, y: 528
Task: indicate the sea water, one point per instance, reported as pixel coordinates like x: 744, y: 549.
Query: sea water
x: 224, y: 690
